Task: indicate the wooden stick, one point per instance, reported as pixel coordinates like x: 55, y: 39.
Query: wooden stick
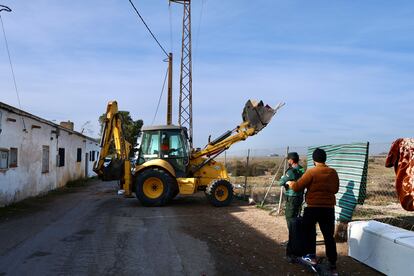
x: 273, y: 181
x: 282, y: 188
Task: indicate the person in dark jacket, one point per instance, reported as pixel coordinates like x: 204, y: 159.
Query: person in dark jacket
x: 293, y: 199
x: 321, y: 183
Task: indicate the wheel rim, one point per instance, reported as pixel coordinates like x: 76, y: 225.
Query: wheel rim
x: 221, y: 193
x: 153, y: 187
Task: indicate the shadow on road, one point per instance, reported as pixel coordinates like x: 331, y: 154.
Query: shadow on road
x: 246, y: 238
x: 238, y: 236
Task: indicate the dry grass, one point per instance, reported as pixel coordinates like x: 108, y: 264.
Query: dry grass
x: 381, y: 202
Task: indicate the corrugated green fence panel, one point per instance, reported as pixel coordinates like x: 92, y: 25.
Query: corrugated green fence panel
x: 351, y: 163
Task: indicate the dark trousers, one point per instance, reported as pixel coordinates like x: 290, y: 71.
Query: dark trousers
x: 292, y: 210
x: 325, y: 217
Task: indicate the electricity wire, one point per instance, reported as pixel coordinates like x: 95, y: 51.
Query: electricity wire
x: 149, y: 30
x: 12, y: 70
x: 203, y: 2
x: 159, y: 99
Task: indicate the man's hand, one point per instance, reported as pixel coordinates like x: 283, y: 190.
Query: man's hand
x: 290, y: 184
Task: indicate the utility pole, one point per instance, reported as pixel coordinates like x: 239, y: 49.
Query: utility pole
x: 169, y: 102
x: 185, y: 114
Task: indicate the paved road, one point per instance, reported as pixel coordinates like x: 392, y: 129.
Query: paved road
x: 95, y: 232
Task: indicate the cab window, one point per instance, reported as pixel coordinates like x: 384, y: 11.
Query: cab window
x: 174, y: 151
x: 172, y: 145
x: 150, y: 146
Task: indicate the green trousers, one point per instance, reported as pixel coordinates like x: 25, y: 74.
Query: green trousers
x: 293, y: 207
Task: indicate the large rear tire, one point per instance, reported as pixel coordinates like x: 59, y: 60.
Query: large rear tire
x: 220, y: 193
x: 154, y: 187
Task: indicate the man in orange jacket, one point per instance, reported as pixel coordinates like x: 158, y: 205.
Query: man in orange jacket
x: 322, y: 183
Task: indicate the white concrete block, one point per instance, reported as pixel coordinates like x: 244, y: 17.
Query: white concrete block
x: 386, y: 248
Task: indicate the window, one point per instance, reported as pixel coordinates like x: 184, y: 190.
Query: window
x: 61, y: 157
x: 4, y: 159
x: 92, y: 155
x: 13, y: 158
x: 150, y: 147
x: 45, y: 159
x: 174, y: 150
x: 177, y: 148
x: 79, y: 155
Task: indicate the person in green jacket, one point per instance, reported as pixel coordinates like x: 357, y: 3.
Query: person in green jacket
x: 293, y: 199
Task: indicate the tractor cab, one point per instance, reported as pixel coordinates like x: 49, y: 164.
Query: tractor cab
x: 166, y: 142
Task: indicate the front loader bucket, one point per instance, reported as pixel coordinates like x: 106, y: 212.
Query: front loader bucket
x: 258, y: 115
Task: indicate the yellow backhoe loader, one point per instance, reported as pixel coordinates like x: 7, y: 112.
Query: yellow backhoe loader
x: 164, y: 164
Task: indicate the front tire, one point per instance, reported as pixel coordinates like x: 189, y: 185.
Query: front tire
x: 154, y: 187
x: 220, y: 193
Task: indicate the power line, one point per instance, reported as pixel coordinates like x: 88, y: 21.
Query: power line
x: 143, y: 21
x: 159, y: 99
x: 203, y: 2
x: 4, y: 8
x: 10, y: 62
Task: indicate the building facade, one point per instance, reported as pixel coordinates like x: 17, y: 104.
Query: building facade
x: 37, y: 155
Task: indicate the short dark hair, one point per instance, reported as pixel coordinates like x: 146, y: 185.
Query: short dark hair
x: 319, y: 155
x: 294, y: 156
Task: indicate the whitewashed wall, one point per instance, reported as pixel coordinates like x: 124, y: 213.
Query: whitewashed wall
x: 27, y: 179
x: 91, y: 147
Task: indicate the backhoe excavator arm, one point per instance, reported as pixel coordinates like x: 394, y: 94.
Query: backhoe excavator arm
x: 112, y: 132
x: 255, y: 116
x: 229, y: 138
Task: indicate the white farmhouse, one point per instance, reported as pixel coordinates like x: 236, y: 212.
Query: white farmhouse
x: 37, y: 155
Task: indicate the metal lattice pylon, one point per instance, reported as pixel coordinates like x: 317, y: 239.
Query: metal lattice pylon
x: 185, y: 117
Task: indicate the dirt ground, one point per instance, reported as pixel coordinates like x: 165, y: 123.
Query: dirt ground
x: 46, y: 235
x: 253, y: 238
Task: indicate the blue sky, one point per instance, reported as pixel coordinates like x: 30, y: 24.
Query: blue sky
x: 344, y: 68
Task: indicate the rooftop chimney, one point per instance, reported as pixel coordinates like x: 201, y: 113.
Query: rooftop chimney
x: 68, y: 125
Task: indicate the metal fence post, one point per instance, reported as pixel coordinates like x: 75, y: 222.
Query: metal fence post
x: 245, y: 173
